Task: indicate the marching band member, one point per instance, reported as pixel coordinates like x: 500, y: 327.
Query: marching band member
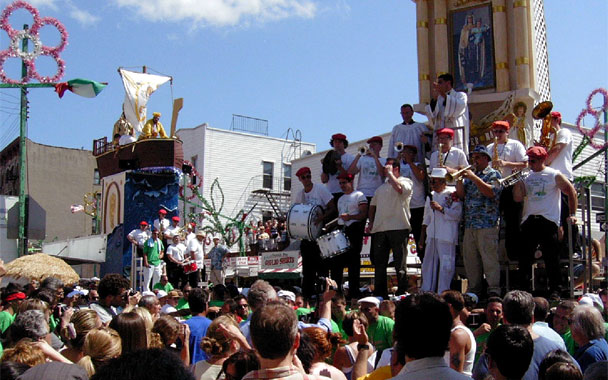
x: 449, y: 157
x: 449, y: 109
x: 352, y: 213
x: 414, y: 171
x: 442, y: 212
x: 508, y: 155
x: 175, y: 254
x: 312, y: 265
x: 139, y: 236
x: 480, y: 243
x: 389, y: 224
x: 540, y: 192
x: 370, y: 167
x: 339, y: 143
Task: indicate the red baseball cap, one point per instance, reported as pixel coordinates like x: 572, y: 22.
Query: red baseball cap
x: 338, y: 136
x: 375, y: 139
x: 500, y: 124
x: 446, y: 131
x: 143, y: 223
x: 537, y: 152
x: 302, y: 171
x: 556, y: 114
x: 161, y: 211
x: 347, y: 176
x: 175, y: 218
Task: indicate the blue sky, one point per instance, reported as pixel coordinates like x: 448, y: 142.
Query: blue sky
x: 318, y: 66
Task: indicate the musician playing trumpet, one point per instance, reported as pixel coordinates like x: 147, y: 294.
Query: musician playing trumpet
x: 508, y: 156
x: 480, y: 241
x: 409, y: 132
x: 370, y: 167
x: 447, y: 156
x: 339, y: 143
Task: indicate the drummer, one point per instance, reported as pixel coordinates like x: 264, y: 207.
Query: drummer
x: 318, y: 195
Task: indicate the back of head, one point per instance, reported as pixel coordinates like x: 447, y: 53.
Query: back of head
x: 215, y: 342
x: 423, y: 325
x: 148, y: 302
x: 34, y: 304
x: 349, y: 320
x: 12, y: 370
x: 273, y: 328
x: 168, y: 328
x: 111, y: 284
x: 55, y: 371
x: 155, y: 363
x: 324, y: 342
x: 518, y: 307
x: 555, y: 356
x: 146, y: 316
x: 29, y: 324
x: 306, y: 352
x: 132, y: 331
x: 588, y: 322
x: 81, y: 323
x: 453, y: 298
x: 597, y: 371
x: 243, y: 363
x: 198, y: 300
x: 100, y: 346
x: 52, y: 283
x: 24, y: 352
x: 510, y: 348
x: 541, y: 309
x: 563, y: 371
x: 259, y: 294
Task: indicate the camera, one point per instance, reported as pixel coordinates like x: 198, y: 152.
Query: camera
x: 320, y: 285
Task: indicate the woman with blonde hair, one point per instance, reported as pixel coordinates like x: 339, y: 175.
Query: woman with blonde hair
x: 25, y: 352
x: 324, y: 343
x: 153, y: 339
x: 222, y: 340
x: 169, y: 330
x: 81, y: 322
x: 100, y: 346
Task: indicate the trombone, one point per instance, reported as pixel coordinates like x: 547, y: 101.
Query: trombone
x: 457, y: 175
x: 511, y: 179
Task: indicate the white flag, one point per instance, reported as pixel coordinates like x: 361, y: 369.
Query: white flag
x: 138, y: 88
x: 76, y: 208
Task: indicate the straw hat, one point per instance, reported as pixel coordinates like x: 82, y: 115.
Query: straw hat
x: 39, y: 266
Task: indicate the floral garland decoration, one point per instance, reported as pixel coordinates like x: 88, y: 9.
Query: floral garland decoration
x: 16, y: 36
x: 590, y: 134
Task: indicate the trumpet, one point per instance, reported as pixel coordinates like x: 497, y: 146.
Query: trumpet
x: 440, y: 155
x: 363, y: 150
x: 456, y: 176
x: 399, y: 146
x: 511, y: 179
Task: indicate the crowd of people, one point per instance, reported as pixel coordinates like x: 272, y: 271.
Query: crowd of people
x: 101, y: 329
x: 452, y: 201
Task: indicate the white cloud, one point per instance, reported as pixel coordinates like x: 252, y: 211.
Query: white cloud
x: 220, y: 12
x: 83, y: 17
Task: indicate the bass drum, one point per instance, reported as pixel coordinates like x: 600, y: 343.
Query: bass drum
x: 301, y: 221
x: 333, y: 244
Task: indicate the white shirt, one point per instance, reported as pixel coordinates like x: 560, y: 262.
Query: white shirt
x: 167, y: 309
x: 563, y: 161
x: 543, y: 197
x: 176, y: 251
x: 197, y: 247
x: 171, y: 231
x: 349, y: 204
x: 512, y: 151
x: 454, y: 158
x: 443, y: 226
x: 369, y: 177
x: 392, y: 208
x: 318, y: 196
x: 454, y: 115
x: 140, y: 236
x: 408, y: 134
x: 418, y: 195
x: 332, y: 185
x: 165, y: 223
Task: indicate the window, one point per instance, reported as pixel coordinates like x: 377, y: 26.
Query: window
x: 96, y: 179
x: 598, y: 194
x: 286, y: 177
x: 267, y: 174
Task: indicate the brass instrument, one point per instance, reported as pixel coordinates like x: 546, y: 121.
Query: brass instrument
x: 495, y: 158
x: 511, y: 179
x: 363, y: 150
x: 399, y: 147
x: 543, y: 112
x: 440, y: 156
x: 456, y: 176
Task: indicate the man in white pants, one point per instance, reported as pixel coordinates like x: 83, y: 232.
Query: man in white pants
x: 442, y: 212
x: 153, y: 253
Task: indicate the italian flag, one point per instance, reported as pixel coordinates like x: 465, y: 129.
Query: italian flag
x: 79, y: 86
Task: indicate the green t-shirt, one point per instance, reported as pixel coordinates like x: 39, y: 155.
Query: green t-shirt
x: 216, y: 303
x: 167, y: 288
x: 303, y: 311
x: 481, y: 341
x: 6, y: 319
x: 152, y: 250
x: 336, y: 326
x: 380, y: 333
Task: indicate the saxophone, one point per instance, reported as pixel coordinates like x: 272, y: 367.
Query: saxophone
x: 495, y: 158
x: 440, y: 156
